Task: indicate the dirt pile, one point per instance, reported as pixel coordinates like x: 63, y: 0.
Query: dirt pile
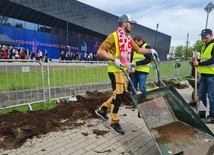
x: 17, y: 127
x: 177, y: 85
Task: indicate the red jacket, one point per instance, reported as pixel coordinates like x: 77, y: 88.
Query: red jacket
x: 4, y: 54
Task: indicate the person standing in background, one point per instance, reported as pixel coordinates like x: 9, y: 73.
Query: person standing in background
x: 46, y: 56
x: 141, y: 63
x: 206, y: 70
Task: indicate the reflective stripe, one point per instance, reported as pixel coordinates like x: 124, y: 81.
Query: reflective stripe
x: 111, y: 66
x: 138, y: 58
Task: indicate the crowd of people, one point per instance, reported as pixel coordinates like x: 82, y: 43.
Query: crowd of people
x: 9, y: 52
x: 78, y: 56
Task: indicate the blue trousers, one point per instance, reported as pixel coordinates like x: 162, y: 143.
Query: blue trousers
x: 206, y: 88
x: 138, y: 78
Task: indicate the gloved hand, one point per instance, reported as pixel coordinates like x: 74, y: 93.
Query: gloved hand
x: 153, y: 51
x: 118, y: 63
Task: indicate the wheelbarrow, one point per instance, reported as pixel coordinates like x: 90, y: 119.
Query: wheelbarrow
x: 192, y: 83
x: 173, y: 124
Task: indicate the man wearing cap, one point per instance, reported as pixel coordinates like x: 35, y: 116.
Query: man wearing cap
x: 206, y: 69
x: 118, y: 45
x: 142, y: 67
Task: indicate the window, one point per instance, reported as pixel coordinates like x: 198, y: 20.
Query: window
x: 6, y: 21
x: 18, y: 23
x: 29, y: 26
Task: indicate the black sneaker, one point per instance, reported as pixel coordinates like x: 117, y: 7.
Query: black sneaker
x: 101, y: 114
x: 211, y: 118
x: 139, y: 115
x: 116, y: 128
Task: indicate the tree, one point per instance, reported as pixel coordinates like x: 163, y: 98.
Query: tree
x: 179, y: 51
x: 198, y: 45
x: 189, y: 51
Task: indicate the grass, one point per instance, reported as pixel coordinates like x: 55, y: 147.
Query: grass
x: 63, y: 76
x: 14, y: 80
x: 35, y: 107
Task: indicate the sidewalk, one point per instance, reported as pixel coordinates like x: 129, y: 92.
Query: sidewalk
x: 82, y: 141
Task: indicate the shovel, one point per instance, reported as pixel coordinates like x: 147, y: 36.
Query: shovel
x: 194, y: 103
x: 196, y: 81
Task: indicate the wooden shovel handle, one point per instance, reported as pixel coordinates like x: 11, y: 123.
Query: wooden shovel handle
x: 196, y: 78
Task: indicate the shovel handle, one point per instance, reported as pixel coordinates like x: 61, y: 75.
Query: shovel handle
x: 196, y: 79
x: 121, y: 67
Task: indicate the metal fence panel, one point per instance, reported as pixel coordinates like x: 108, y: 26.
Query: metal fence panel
x: 25, y: 82
x: 69, y: 78
x: 22, y: 83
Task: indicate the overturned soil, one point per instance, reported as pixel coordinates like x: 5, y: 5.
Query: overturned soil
x: 17, y: 127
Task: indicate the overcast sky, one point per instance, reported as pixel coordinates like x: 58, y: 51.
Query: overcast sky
x: 176, y: 18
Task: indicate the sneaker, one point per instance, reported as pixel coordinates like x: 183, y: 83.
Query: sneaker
x: 130, y: 107
x: 116, y: 128
x: 206, y: 120
x: 101, y: 114
x: 211, y: 118
x: 139, y: 115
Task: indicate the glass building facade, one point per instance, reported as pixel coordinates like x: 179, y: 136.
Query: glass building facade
x: 53, y: 24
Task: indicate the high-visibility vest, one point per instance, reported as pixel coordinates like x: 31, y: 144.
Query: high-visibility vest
x: 111, y: 66
x: 205, y: 55
x: 138, y: 57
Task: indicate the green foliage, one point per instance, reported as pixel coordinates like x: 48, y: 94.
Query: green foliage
x: 182, y: 50
x: 198, y: 45
x: 179, y: 51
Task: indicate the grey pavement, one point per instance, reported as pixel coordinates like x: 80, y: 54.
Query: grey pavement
x: 82, y: 141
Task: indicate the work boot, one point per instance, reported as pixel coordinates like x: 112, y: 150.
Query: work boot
x: 101, y: 114
x: 211, y: 117
x: 139, y: 115
x: 130, y: 107
x: 116, y: 128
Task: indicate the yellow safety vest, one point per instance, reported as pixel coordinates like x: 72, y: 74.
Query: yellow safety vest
x: 111, y: 66
x: 138, y: 57
x: 205, y: 55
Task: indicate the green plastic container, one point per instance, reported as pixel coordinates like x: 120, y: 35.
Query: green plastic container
x: 172, y: 123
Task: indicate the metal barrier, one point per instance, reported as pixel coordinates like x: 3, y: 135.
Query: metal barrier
x: 25, y: 82
x: 22, y: 83
x: 70, y: 78
x: 169, y: 70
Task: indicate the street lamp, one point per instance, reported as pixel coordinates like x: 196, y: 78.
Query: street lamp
x: 67, y: 6
x: 156, y: 35
x: 187, y: 44
x: 208, y: 9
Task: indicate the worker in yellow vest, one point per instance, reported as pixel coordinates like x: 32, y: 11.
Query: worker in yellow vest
x: 119, y: 45
x: 141, y: 63
x: 206, y: 70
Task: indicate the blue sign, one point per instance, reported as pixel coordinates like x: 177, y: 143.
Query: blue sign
x: 54, y: 44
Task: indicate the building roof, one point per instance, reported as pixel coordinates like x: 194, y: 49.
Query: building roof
x: 80, y: 17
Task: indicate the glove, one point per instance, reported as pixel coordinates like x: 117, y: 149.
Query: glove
x: 118, y: 63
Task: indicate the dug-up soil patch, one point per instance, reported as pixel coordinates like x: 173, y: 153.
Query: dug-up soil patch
x: 17, y: 127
